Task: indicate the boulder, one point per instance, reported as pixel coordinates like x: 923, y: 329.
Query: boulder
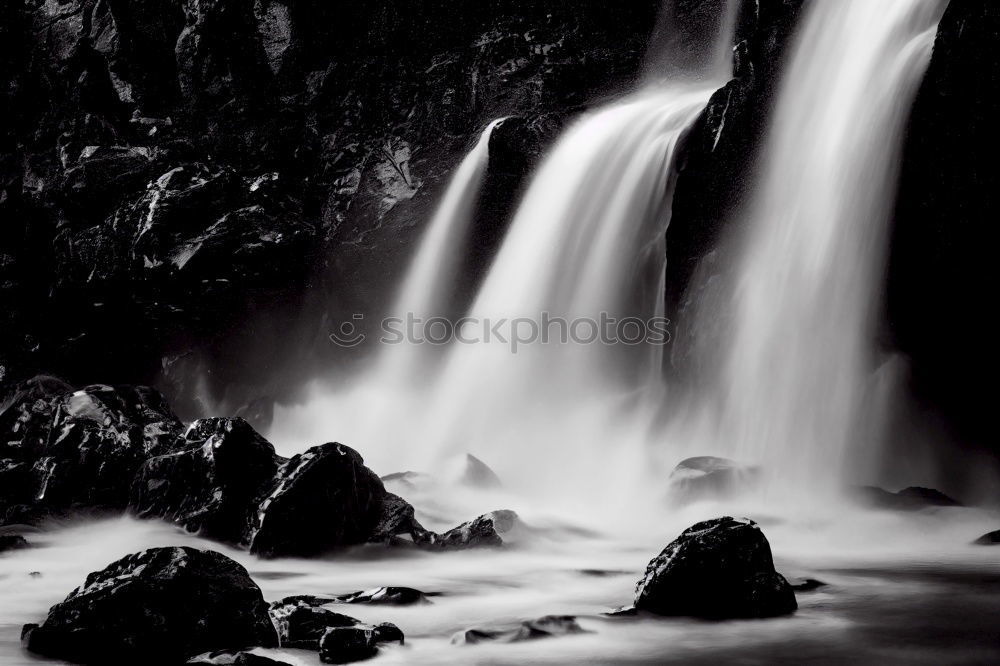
x: 210, y: 486
x: 548, y: 626
x: 65, y: 448
x: 321, y: 499
x: 716, y: 569
x: 397, y: 525
x: 301, y: 624
x: 988, y: 539
x: 389, y: 596
x: 486, y: 530
x: 158, y: 606
x: 344, y: 645
x: 709, y: 477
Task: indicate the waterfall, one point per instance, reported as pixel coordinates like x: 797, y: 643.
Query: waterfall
x: 429, y: 285
x: 793, y: 380
x: 586, y: 244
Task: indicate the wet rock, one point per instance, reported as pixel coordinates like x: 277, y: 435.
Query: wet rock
x: 158, y: 606
x: 709, y: 477
x: 64, y: 449
x: 344, y: 645
x: 478, y: 474
x: 548, y: 626
x: 909, y: 499
x: 390, y: 596
x: 397, y: 525
x: 235, y: 659
x: 10, y: 542
x: 321, y: 499
x: 988, y: 539
x: 716, y: 569
x: 301, y: 624
x: 210, y: 486
x: 487, y: 530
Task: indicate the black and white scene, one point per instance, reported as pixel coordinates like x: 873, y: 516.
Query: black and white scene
x: 499, y: 332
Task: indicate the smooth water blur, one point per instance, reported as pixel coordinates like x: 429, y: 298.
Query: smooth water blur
x: 901, y: 588
x: 799, y: 353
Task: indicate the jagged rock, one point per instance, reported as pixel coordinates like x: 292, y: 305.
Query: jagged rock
x: 707, y: 477
x: 478, y: 474
x: 390, y: 596
x: 548, y: 626
x: 908, y: 499
x: 211, y: 485
x: 716, y: 569
x: 485, y: 531
x: 988, y: 539
x: 302, y: 625
x: 12, y: 542
x: 235, y: 659
x: 68, y: 448
x: 159, y: 606
x: 322, y: 499
x: 344, y: 645
x: 397, y: 525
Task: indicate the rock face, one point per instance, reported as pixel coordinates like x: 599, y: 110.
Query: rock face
x: 159, y: 606
x: 207, y: 158
x: 716, y: 569
x: 63, y: 448
x: 707, y: 477
x: 209, y: 486
x: 321, y: 499
x: 720, y: 157
x: 948, y: 199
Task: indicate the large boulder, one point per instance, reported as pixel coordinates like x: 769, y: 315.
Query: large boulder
x: 301, y: 624
x: 488, y: 530
x: 321, y: 499
x: 989, y: 539
x: 210, y: 486
x: 716, y: 569
x: 913, y: 498
x: 159, y: 606
x: 64, y: 448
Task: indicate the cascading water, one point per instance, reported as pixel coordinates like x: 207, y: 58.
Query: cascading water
x: 586, y: 246
x: 793, y: 380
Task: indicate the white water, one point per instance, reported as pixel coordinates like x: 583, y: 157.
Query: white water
x: 799, y: 355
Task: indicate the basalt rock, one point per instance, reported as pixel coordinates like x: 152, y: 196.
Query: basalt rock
x: 716, y: 569
x: 344, y: 645
x: 397, y: 524
x: 301, y: 625
x: 235, y: 659
x: 65, y: 448
x: 159, y: 606
x: 320, y: 500
x: 210, y: 486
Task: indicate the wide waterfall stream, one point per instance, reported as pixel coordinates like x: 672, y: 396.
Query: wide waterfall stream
x: 578, y: 432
